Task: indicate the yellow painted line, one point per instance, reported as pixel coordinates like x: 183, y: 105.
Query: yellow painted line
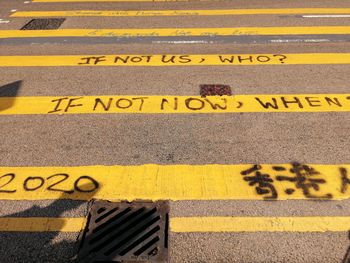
x: 260, y: 224
x: 169, y: 32
x: 177, y: 182
x: 192, y: 224
x: 89, y: 1
x: 211, y: 12
x: 41, y: 224
x: 175, y: 60
x: 174, y: 104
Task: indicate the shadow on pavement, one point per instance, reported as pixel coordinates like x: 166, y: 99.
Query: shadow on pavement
x: 9, y: 91
x: 43, y: 246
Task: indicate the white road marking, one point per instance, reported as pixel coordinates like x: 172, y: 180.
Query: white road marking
x: 181, y: 42
x: 4, y: 21
x: 326, y: 16
x: 298, y: 40
x: 317, y: 40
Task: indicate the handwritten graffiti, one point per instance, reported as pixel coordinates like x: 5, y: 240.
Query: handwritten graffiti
x: 53, y: 182
x: 240, y: 182
x: 297, y: 176
x: 262, y: 182
x: 195, y: 104
x: 303, y: 178
x: 345, y: 180
x: 241, y: 59
x: 284, y: 102
x: 141, y: 104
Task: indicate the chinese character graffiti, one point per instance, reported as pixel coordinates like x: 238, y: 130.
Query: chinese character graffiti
x: 304, y: 178
x: 345, y: 181
x: 263, y: 182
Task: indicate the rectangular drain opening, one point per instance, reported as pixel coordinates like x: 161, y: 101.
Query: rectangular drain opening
x: 43, y: 24
x: 215, y: 90
x: 125, y: 232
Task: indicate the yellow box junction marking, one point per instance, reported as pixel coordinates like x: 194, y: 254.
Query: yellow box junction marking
x: 175, y: 104
x: 176, y: 60
x: 192, y: 224
x: 211, y: 12
x: 177, y: 182
x: 171, y: 32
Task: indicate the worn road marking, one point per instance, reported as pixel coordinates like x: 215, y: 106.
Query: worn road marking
x: 175, y: 104
x: 211, y: 12
x: 326, y: 16
x: 172, y: 32
x: 175, y: 60
x: 177, y: 182
x: 192, y: 224
x: 41, y: 224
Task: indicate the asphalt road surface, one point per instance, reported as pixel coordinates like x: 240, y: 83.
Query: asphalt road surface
x: 112, y: 91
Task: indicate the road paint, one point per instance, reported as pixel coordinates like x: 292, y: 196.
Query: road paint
x: 211, y: 12
x: 181, y: 42
x: 326, y: 16
x: 192, y: 224
x: 174, y: 104
x: 171, y: 32
x: 97, y: 1
x: 259, y: 224
x: 299, y: 40
x: 175, y: 60
x: 41, y: 224
x: 177, y: 182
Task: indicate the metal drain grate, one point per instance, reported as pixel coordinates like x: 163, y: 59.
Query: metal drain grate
x: 43, y: 24
x: 125, y: 232
x: 215, y: 89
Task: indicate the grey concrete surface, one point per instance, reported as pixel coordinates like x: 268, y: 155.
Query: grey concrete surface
x: 133, y: 139
x: 189, y: 139
x: 260, y: 247
x: 38, y: 247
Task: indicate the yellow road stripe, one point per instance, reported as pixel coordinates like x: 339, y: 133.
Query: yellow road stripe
x: 210, y: 12
x: 169, y: 32
x: 192, y: 224
x: 259, y: 224
x: 175, y: 104
x: 41, y: 224
x: 175, y: 60
x: 87, y: 1
x: 177, y: 182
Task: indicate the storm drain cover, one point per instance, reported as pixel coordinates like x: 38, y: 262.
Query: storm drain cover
x: 215, y: 90
x: 125, y: 232
x: 43, y: 24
